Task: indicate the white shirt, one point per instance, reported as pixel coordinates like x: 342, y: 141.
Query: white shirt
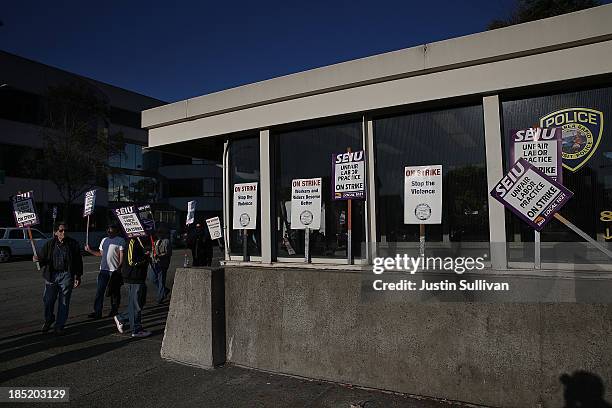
x: 110, y: 248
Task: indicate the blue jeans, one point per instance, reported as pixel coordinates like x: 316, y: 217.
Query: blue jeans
x: 157, y: 275
x: 102, y: 282
x: 137, y: 295
x: 60, y: 286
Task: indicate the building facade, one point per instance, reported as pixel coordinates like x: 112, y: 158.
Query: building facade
x: 451, y: 103
x: 137, y: 174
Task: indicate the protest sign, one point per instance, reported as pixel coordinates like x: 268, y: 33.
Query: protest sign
x: 423, y: 194
x: 306, y: 203
x: 145, y: 215
x: 214, y: 227
x: 191, y: 207
x: 348, y: 175
x: 245, y: 206
x: 24, y: 212
x: 530, y: 194
x: 24, y: 209
x: 88, y: 209
x: 540, y: 147
x: 128, y: 218
x: 90, y: 203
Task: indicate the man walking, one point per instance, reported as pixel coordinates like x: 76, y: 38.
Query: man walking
x: 62, y: 268
x: 134, y: 274
x: 111, y: 250
x: 201, y: 246
x: 160, y: 263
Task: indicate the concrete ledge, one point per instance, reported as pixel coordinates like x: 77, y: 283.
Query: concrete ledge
x: 195, y: 328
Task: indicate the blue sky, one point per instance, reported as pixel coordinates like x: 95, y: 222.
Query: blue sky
x: 176, y: 50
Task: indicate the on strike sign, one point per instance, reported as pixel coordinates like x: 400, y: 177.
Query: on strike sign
x: 540, y: 147
x: 191, y: 207
x: 90, y: 203
x: 530, y: 194
x: 214, y: 227
x: 128, y: 218
x: 245, y: 206
x: 349, y: 175
x: 24, y: 209
x: 306, y: 203
x: 423, y: 194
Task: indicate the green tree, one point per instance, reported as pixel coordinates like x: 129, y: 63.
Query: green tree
x: 77, y: 141
x: 530, y: 10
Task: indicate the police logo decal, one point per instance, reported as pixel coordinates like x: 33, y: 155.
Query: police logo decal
x: 582, y: 132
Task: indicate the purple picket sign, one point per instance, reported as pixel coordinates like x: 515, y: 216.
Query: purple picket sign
x: 348, y: 176
x: 530, y: 194
x: 24, y: 210
x: 130, y: 222
x: 541, y: 147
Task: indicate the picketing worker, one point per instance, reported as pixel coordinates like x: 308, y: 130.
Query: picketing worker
x: 160, y: 262
x: 62, y: 268
x: 111, y: 250
x: 201, y: 246
x: 134, y: 272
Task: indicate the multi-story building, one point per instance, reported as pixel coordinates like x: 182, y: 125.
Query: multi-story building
x: 137, y: 175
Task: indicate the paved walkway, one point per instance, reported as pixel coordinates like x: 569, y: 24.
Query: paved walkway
x: 106, y: 369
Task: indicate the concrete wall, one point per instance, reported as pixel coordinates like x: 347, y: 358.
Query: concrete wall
x: 321, y: 324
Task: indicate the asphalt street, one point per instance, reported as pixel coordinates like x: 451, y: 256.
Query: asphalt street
x: 103, y: 368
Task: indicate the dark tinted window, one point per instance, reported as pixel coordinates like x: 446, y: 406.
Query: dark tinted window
x: 125, y: 117
x: 584, y: 117
x: 17, y: 161
x: 244, y: 168
x: 37, y: 235
x: 185, y: 188
x: 131, y: 188
x: 20, y: 106
x: 307, y: 153
x: 130, y: 158
x: 172, y: 159
x: 453, y: 138
x: 15, y: 234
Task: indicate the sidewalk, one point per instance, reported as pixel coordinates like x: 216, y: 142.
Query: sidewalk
x: 104, y: 368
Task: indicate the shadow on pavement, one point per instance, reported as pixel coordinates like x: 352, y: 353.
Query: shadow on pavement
x: 31, y: 343
x: 62, y: 359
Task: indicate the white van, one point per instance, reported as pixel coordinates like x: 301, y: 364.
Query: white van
x: 16, y: 242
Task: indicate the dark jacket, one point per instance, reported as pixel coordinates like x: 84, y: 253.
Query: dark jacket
x: 135, y: 263
x: 74, y: 259
x: 201, y: 248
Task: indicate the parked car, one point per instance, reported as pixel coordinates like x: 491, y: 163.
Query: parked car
x: 16, y: 242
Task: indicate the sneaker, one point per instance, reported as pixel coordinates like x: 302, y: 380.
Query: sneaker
x: 47, y: 326
x: 142, y: 333
x: 118, y: 324
x: 94, y: 315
